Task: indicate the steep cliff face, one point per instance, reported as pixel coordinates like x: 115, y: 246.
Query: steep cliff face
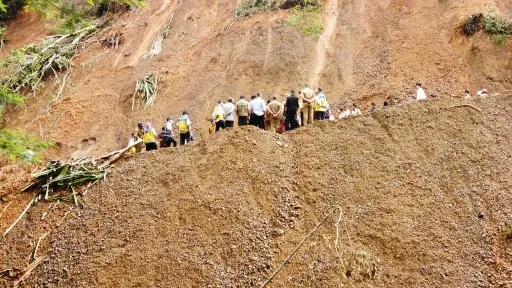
x: 369, y: 50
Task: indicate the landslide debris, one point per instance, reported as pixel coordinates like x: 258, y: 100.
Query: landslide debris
x: 226, y: 211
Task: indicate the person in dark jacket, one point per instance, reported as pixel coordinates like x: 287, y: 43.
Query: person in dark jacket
x: 291, y: 107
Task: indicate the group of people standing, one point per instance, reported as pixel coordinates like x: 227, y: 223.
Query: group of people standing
x: 295, y: 111
x: 149, y: 136
x: 273, y: 115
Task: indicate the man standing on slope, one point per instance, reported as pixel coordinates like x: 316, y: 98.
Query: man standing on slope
x: 320, y: 105
x: 290, y: 107
x: 257, y: 106
x: 242, y: 111
x: 420, y: 94
x: 229, y: 113
x: 218, y: 116
x: 184, y: 124
x: 276, y: 113
x: 308, y: 97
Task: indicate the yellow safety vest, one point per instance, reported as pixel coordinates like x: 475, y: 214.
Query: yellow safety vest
x: 218, y: 112
x: 150, y: 136
x: 321, y: 107
x: 182, y: 125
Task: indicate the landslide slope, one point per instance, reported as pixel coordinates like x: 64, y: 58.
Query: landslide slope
x: 425, y: 190
x: 370, y: 50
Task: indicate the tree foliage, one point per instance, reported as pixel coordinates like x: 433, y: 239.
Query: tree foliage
x: 18, y: 146
x: 50, y: 8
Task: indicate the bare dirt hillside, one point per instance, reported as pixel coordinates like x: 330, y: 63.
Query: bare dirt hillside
x: 425, y: 190
x: 369, y: 51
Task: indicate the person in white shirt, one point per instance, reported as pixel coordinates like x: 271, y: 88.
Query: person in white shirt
x: 229, y: 113
x: 467, y: 95
x: 420, y: 94
x: 355, y: 110
x: 345, y: 112
x: 257, y: 106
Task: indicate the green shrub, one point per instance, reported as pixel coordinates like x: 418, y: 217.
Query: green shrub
x: 508, y: 233
x: 71, y: 19
x: 497, y: 26
x: 18, y: 146
x: 246, y: 8
x: 308, y: 19
x: 10, y: 9
x: 499, y: 39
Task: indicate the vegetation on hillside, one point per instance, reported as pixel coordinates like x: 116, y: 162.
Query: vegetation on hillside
x: 18, y: 146
x: 308, y: 19
x: 246, y: 8
x: 499, y: 28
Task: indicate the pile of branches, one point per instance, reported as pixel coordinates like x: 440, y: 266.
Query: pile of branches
x: 58, y: 176
x: 145, y: 91
x: 58, y: 180
x: 27, y: 66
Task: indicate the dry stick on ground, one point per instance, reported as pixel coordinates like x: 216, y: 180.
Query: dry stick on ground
x: 29, y: 270
x: 59, y: 94
x: 119, y: 154
x: 466, y: 105
x: 298, y: 247
x: 5, y: 208
x: 34, y: 254
x: 21, y: 216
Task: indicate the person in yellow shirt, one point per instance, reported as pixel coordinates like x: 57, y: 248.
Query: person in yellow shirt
x: 184, y: 124
x: 218, y: 117
x: 320, y: 105
x: 150, y: 137
x: 275, y: 109
x: 308, y: 97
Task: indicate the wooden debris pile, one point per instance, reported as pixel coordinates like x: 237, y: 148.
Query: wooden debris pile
x: 58, y: 180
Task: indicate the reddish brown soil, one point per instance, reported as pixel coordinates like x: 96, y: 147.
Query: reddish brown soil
x: 424, y: 188
x: 370, y: 51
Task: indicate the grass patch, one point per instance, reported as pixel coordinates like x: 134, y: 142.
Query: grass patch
x: 508, y: 233
x: 246, y: 8
x: 308, y: 19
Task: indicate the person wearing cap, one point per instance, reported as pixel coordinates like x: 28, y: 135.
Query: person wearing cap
x: 467, y: 95
x: 275, y: 109
x: 167, y: 135
x: 482, y: 93
x: 242, y: 111
x: 184, y: 124
x: 218, y: 116
x: 308, y: 97
x: 138, y: 135
x: 229, y: 113
x: 320, y: 105
x: 150, y: 137
x: 420, y: 93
